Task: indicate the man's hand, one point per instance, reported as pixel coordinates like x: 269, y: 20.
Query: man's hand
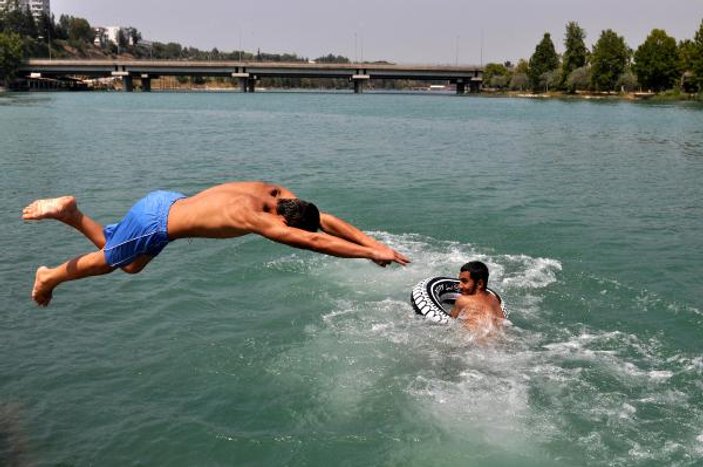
x: 383, y: 256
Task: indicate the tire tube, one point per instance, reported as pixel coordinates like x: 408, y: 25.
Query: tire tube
x: 429, y: 296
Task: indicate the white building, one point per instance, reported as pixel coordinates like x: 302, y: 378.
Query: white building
x: 112, y: 34
x: 101, y: 39
x: 37, y: 7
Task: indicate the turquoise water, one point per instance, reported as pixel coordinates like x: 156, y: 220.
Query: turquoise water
x: 245, y: 352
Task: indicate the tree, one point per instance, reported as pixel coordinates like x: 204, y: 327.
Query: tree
x: 79, y: 30
x: 62, y: 27
x: 331, y: 58
x: 122, y: 39
x: 133, y: 36
x: 545, y: 59
x: 608, y: 61
x: 499, y: 81
x: 576, y: 53
x: 170, y: 51
x: 19, y: 20
x: 519, y: 81
x: 522, y: 66
x: 578, y: 80
x: 496, y: 75
x: 550, y: 80
x: 687, y: 55
x: 45, y: 29
x: 11, y: 56
x: 697, y: 62
x: 627, y: 82
x: 656, y: 61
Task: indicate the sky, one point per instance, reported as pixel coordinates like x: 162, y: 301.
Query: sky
x: 465, y: 32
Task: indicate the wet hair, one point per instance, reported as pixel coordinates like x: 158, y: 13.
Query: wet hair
x: 477, y: 270
x: 299, y: 214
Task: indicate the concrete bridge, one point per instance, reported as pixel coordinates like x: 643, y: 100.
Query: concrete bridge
x: 466, y: 78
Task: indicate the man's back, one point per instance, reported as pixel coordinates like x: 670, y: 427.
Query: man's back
x: 479, y: 310
x: 224, y: 211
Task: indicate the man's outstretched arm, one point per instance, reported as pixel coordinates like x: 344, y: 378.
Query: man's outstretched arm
x: 337, y: 227
x: 270, y: 227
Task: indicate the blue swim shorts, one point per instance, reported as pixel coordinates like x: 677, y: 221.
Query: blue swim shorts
x: 142, y: 231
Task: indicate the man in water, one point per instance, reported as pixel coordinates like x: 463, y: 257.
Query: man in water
x: 477, y: 306
x: 223, y: 211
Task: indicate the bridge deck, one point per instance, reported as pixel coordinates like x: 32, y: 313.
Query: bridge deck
x: 244, y: 70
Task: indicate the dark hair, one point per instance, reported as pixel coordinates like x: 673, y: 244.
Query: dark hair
x: 299, y: 214
x: 477, y: 270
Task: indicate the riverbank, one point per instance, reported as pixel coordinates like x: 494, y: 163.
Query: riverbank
x: 632, y: 96
x: 199, y: 84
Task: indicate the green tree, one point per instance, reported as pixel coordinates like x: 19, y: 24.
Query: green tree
x: 519, y: 81
x: 576, y: 52
x: 545, y: 59
x: 697, y: 61
x: 579, y: 79
x: 686, y: 52
x: 11, y: 56
x: 500, y: 81
x: 170, y: 51
x: 133, y: 36
x: 331, y: 58
x: 550, y: 80
x: 496, y: 75
x: 46, y: 30
x: 122, y: 39
x: 79, y: 31
x: 522, y: 66
x: 62, y: 27
x: 609, y: 59
x: 656, y: 61
x: 627, y: 81
x: 18, y: 20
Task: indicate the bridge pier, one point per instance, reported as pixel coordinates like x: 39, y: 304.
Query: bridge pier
x: 146, y: 83
x: 359, y: 80
x: 127, y: 83
x: 460, y: 87
x: 247, y: 82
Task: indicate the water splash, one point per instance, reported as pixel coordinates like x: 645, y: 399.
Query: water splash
x: 548, y: 381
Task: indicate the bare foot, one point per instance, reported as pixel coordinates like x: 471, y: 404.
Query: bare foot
x: 63, y: 208
x: 41, y: 292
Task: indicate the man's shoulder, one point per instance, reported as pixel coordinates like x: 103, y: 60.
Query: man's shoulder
x: 463, y: 299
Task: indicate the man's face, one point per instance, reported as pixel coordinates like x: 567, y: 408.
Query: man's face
x: 467, y: 286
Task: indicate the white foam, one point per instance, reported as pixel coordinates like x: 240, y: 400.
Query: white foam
x: 380, y: 346
x: 660, y: 374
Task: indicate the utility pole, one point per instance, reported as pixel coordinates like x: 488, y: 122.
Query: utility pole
x: 240, y: 44
x: 481, y: 47
x: 456, y: 51
x: 356, y: 48
x: 48, y: 30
